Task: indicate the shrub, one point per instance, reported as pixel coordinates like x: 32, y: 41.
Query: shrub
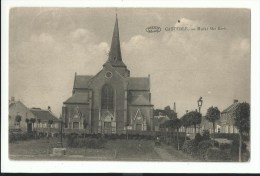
x: 181, y: 142
x: 205, y: 135
x: 189, y: 147
x: 215, y: 154
x: 21, y: 136
x: 86, y: 142
x: 203, y: 146
x: 224, y: 146
x: 246, y: 156
x: 235, y: 149
x: 198, y: 138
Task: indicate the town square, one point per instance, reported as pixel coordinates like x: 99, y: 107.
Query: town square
x: 127, y: 89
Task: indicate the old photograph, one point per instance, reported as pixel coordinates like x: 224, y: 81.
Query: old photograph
x: 129, y: 84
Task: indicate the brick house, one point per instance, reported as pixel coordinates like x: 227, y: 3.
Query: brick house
x: 226, y: 122
x: 41, y: 116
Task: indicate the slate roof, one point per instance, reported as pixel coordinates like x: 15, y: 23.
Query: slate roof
x: 160, y: 120
x: 78, y: 97
x: 115, y: 63
x: 134, y: 83
x: 140, y: 100
x: 138, y: 83
x: 44, y: 115
x: 231, y: 108
x: 81, y: 81
x: 158, y: 112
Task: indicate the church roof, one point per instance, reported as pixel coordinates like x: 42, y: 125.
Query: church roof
x: 115, y: 57
x: 81, y: 81
x: 140, y: 100
x: 231, y: 108
x: 138, y: 83
x: 78, y: 97
x: 43, y: 115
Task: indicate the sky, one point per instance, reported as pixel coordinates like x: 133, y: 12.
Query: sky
x: 48, y: 45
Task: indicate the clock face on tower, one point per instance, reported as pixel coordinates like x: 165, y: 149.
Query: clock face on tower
x: 108, y: 74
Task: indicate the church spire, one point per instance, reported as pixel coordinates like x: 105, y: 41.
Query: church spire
x: 114, y: 57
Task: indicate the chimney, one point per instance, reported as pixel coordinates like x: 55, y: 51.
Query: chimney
x: 49, y: 108
x: 235, y: 101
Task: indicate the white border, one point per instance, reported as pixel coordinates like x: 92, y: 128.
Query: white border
x: 135, y: 167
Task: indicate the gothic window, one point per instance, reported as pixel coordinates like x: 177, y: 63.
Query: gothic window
x: 107, y: 98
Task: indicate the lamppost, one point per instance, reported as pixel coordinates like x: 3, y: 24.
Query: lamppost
x: 61, y: 131
x: 200, y: 101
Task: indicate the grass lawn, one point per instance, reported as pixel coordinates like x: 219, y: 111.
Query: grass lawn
x: 133, y: 150
x: 114, y: 149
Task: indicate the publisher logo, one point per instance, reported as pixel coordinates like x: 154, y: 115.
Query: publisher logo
x: 153, y: 29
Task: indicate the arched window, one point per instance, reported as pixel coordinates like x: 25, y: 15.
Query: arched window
x: 107, y: 98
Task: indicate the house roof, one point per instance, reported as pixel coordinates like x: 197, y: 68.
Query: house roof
x: 160, y: 119
x: 140, y: 100
x: 78, y: 97
x: 16, y: 102
x: 81, y: 81
x: 134, y: 83
x: 158, y: 112
x: 231, y: 108
x: 138, y: 83
x: 43, y: 115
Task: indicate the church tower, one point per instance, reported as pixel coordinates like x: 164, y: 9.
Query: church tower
x: 110, y: 101
x: 114, y: 56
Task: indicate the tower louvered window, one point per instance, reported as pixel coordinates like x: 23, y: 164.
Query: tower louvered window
x: 107, y: 98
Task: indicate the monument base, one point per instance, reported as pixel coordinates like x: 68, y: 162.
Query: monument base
x: 58, y: 151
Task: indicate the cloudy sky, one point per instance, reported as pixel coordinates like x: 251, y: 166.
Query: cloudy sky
x: 48, y: 45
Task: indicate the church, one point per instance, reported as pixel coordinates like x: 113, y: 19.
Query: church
x: 111, y: 101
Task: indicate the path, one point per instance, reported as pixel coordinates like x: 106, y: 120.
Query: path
x: 163, y: 153
x: 168, y: 153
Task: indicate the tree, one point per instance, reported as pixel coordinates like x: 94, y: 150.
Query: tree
x: 33, y: 120
x: 85, y: 125
x: 176, y: 124
x: 194, y: 118
x: 213, y: 114
x: 50, y: 122
x: 27, y: 121
x: 185, y: 122
x: 170, y: 113
x: 38, y: 125
x: 242, y: 122
x: 38, y: 121
x: 18, y: 119
x: 166, y: 124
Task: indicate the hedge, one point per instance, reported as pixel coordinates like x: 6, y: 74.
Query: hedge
x: 235, y: 149
x: 230, y: 136
x: 215, y: 154
x: 189, y: 147
x: 85, y: 142
x: 21, y: 136
x: 203, y: 146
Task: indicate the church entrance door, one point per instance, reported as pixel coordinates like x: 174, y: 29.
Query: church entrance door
x: 107, y: 127
x: 75, y: 125
x: 138, y: 127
